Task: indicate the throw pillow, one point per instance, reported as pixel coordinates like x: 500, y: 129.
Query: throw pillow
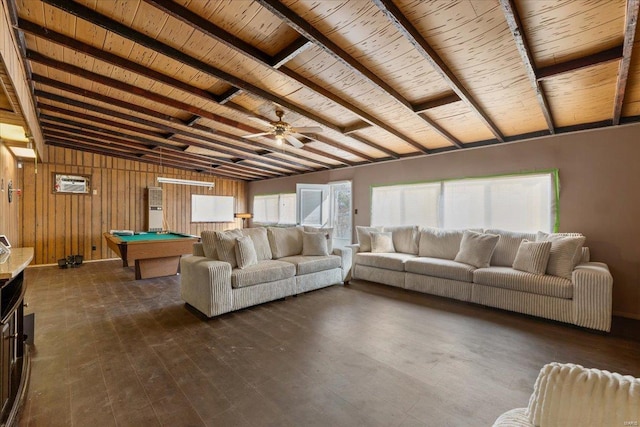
x: 577, y: 258
x: 405, y: 238
x: 226, y: 246
x: 566, y: 252
x: 532, y: 257
x: 260, y: 242
x: 246, y: 252
x: 382, y: 242
x: 328, y: 234
x: 314, y: 244
x: 476, y: 248
x: 364, y: 237
x: 439, y: 243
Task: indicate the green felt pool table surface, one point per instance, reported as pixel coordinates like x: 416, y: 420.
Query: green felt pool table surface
x: 153, y: 236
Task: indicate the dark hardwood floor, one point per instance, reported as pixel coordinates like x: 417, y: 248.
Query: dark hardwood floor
x: 110, y: 350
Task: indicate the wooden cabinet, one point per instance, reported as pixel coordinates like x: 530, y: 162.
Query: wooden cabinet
x: 14, y: 354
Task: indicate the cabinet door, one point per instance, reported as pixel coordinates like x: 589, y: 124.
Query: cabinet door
x: 5, y: 365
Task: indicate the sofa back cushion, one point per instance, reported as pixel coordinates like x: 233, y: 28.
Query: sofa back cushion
x: 405, y: 238
x: 364, y: 237
x: 209, y: 244
x: 260, y: 242
x: 476, y: 248
x: 285, y: 241
x: 439, y: 243
x: 226, y: 245
x: 507, y: 246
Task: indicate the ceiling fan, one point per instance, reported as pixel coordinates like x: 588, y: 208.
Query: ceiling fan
x: 284, y: 131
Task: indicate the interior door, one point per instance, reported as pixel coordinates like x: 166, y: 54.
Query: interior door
x: 313, y: 204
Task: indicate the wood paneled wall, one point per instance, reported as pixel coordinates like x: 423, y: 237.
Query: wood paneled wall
x: 59, y: 225
x: 9, y: 212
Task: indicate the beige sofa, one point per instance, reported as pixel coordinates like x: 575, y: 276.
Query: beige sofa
x: 565, y: 286
x: 570, y: 395
x: 239, y: 268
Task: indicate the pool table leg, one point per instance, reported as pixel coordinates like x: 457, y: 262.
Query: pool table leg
x: 157, y: 267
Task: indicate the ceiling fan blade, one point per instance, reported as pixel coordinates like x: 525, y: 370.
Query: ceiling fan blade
x: 294, y: 141
x: 253, y: 135
x: 308, y: 129
x: 260, y: 120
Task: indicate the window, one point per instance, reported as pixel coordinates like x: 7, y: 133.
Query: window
x: 275, y: 209
x: 520, y: 202
x: 414, y: 204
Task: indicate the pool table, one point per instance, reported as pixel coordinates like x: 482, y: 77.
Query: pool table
x: 154, y: 254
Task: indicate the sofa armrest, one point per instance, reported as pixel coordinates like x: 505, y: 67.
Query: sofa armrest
x: 206, y: 285
x: 345, y: 262
x: 592, y: 295
x: 513, y: 418
x: 198, y: 250
x: 355, y: 248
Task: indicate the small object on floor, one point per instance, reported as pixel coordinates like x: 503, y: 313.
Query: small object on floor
x: 72, y: 261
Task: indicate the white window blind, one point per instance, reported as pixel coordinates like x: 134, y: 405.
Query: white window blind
x: 521, y: 202
x: 275, y: 209
x: 414, y: 204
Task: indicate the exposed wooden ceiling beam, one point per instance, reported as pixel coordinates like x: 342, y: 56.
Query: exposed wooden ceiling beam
x: 61, y: 39
x: 350, y: 150
x: 136, y: 90
x: 87, y: 144
x: 438, y: 102
x: 515, y: 25
x: 311, y: 33
x: 122, y: 30
x: 143, y: 110
x: 353, y: 109
x: 572, y: 65
x: 132, y: 66
x: 631, y: 21
x: 166, y: 125
x: 298, y: 46
x: 420, y: 44
x: 194, y: 20
x: 150, y: 144
x: 354, y: 127
x: 442, y: 131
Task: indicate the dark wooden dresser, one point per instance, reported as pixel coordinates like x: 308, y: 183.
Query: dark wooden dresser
x: 14, y: 352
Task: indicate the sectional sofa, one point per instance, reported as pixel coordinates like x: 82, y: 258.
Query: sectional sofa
x: 239, y: 268
x: 540, y: 274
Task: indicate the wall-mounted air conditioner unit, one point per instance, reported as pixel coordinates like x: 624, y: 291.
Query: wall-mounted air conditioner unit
x: 72, y: 184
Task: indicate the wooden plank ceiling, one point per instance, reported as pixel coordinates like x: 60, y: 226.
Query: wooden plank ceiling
x: 181, y: 83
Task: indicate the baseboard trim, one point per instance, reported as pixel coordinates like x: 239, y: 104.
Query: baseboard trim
x: 627, y: 315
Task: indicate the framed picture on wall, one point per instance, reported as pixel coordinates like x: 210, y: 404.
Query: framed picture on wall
x: 4, y: 241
